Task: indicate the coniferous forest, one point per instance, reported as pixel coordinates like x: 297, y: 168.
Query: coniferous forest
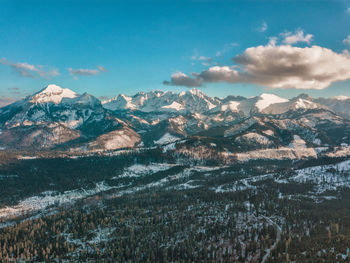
x: 132, y: 208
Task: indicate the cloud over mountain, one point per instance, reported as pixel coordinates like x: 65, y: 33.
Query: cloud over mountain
x: 181, y: 79
x: 272, y: 66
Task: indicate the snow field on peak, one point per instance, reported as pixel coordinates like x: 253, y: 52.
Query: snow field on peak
x: 265, y: 100
x: 305, y: 104
x: 174, y: 106
x: 53, y: 93
x: 230, y: 106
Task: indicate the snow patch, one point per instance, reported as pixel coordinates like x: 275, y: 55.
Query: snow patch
x: 27, y: 157
x: 174, y: 106
x: 231, y: 106
x: 282, y: 153
x: 266, y: 100
x: 138, y: 170
x: 253, y: 137
x: 49, y: 198
x: 297, y: 142
x: 269, y: 132
x: 166, y: 138
x: 305, y: 104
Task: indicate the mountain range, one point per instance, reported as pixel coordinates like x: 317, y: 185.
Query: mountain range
x: 188, y: 122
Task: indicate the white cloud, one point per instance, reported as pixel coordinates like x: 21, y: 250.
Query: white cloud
x: 86, y: 72
x: 298, y: 36
x: 274, y: 66
x: 347, y: 40
x: 263, y: 27
x: 348, y: 10
x: 181, y: 79
x: 28, y: 70
x: 220, y: 74
x: 272, y: 41
x: 293, y: 67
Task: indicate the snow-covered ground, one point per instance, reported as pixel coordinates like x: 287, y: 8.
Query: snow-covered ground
x: 253, y: 137
x: 324, y: 178
x: 54, y: 198
x: 281, y: 153
x: 49, y: 198
x: 27, y: 157
x: 297, y: 142
x: 167, y: 138
x: 98, y: 235
x: 138, y: 170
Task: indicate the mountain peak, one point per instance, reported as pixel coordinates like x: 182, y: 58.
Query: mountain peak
x: 84, y: 99
x: 266, y: 99
x: 51, y: 88
x: 303, y: 96
x: 195, y: 91
x: 52, y: 93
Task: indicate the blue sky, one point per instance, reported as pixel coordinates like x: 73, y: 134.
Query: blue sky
x: 112, y: 47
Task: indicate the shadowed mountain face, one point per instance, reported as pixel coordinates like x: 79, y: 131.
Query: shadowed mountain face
x: 58, y: 118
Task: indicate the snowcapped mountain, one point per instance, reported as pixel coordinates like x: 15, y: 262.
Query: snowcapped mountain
x: 54, y: 116
x: 265, y: 100
x: 52, y: 104
x: 339, y: 104
x: 163, y: 101
x: 248, y: 106
x: 59, y: 118
x: 295, y: 104
x: 52, y: 93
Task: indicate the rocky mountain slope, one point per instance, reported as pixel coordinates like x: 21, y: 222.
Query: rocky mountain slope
x: 58, y: 118
x: 54, y: 117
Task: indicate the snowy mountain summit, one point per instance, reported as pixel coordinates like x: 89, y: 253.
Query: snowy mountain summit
x: 52, y: 93
x: 59, y: 117
x: 191, y: 101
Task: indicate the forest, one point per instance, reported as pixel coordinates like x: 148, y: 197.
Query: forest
x: 178, y: 213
